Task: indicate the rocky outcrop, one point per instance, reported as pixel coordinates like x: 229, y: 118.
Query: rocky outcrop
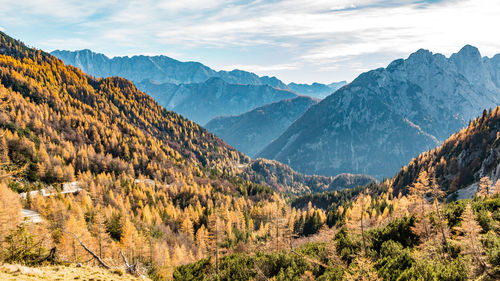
x: 387, y: 116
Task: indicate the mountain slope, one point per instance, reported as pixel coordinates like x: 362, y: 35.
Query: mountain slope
x: 279, y: 175
x: 108, y: 107
x: 202, y: 102
x: 316, y: 90
x: 252, y: 131
x: 386, y: 116
x: 464, y: 158
x: 161, y: 69
x: 101, y: 125
x: 152, y: 185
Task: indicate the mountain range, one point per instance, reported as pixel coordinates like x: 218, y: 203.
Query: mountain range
x: 387, y: 116
x: 373, y: 125
x: 191, y: 88
x: 161, y: 191
x: 108, y: 125
x: 250, y: 132
x: 316, y: 90
x: 204, y: 101
x: 161, y: 69
x: 461, y: 161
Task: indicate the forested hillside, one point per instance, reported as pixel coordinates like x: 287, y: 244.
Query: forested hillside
x: 95, y: 172
x: 152, y: 186
x: 283, y: 178
x: 462, y: 160
x: 393, y: 230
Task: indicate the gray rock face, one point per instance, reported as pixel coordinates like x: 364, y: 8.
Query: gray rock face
x: 202, y: 102
x: 160, y: 69
x: 252, y: 131
x: 316, y: 90
x: 189, y: 88
x: 387, y: 116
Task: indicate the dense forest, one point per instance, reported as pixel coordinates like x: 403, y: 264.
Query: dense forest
x: 378, y: 232
x: 284, y: 179
x: 116, y: 181
x: 463, y: 159
x: 156, y: 187
x: 370, y: 234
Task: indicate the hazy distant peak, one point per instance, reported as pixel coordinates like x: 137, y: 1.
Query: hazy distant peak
x: 160, y: 68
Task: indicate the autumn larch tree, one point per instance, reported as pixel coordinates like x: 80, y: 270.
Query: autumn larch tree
x: 469, y: 231
x: 358, y: 216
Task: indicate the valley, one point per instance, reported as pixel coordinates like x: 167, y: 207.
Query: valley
x: 151, y: 168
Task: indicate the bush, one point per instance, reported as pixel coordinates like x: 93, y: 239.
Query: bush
x: 398, y: 230
x: 346, y: 245
x: 491, y: 244
x: 199, y: 270
x: 394, y: 261
x: 21, y: 247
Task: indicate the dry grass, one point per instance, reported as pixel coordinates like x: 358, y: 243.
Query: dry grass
x: 20, y: 272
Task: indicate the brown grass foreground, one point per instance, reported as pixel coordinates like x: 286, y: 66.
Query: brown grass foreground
x: 20, y: 272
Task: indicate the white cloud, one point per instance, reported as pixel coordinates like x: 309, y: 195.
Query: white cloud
x: 192, y: 5
x: 66, y: 10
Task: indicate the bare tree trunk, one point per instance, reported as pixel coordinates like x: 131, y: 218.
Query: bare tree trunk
x: 129, y: 268
x: 363, y: 233
x: 101, y: 262
x: 441, y: 226
x: 216, y: 249
x: 423, y: 216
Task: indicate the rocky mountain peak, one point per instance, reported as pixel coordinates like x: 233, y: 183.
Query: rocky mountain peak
x: 387, y: 116
x: 470, y: 64
x: 422, y: 55
x: 468, y: 52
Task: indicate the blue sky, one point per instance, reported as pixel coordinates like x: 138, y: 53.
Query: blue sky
x: 296, y: 40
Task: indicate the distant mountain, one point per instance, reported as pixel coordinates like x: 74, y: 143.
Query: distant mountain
x: 202, y: 102
x: 160, y: 69
x: 283, y: 178
x: 109, y: 126
x: 461, y: 161
x: 316, y: 90
x: 387, y: 116
x: 252, y: 131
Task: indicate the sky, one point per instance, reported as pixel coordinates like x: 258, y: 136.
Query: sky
x: 300, y: 41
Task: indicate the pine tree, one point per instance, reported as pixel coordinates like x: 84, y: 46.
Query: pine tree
x: 99, y: 232
x: 469, y: 240
x: 484, y: 187
x: 420, y: 205
x: 215, y: 236
x: 358, y: 217
x: 496, y: 188
x: 10, y: 211
x: 201, y: 238
x: 4, y: 150
x: 187, y: 227
x: 69, y: 246
x: 361, y: 270
x: 437, y: 194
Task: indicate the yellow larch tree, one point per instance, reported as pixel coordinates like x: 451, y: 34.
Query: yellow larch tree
x: 358, y: 218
